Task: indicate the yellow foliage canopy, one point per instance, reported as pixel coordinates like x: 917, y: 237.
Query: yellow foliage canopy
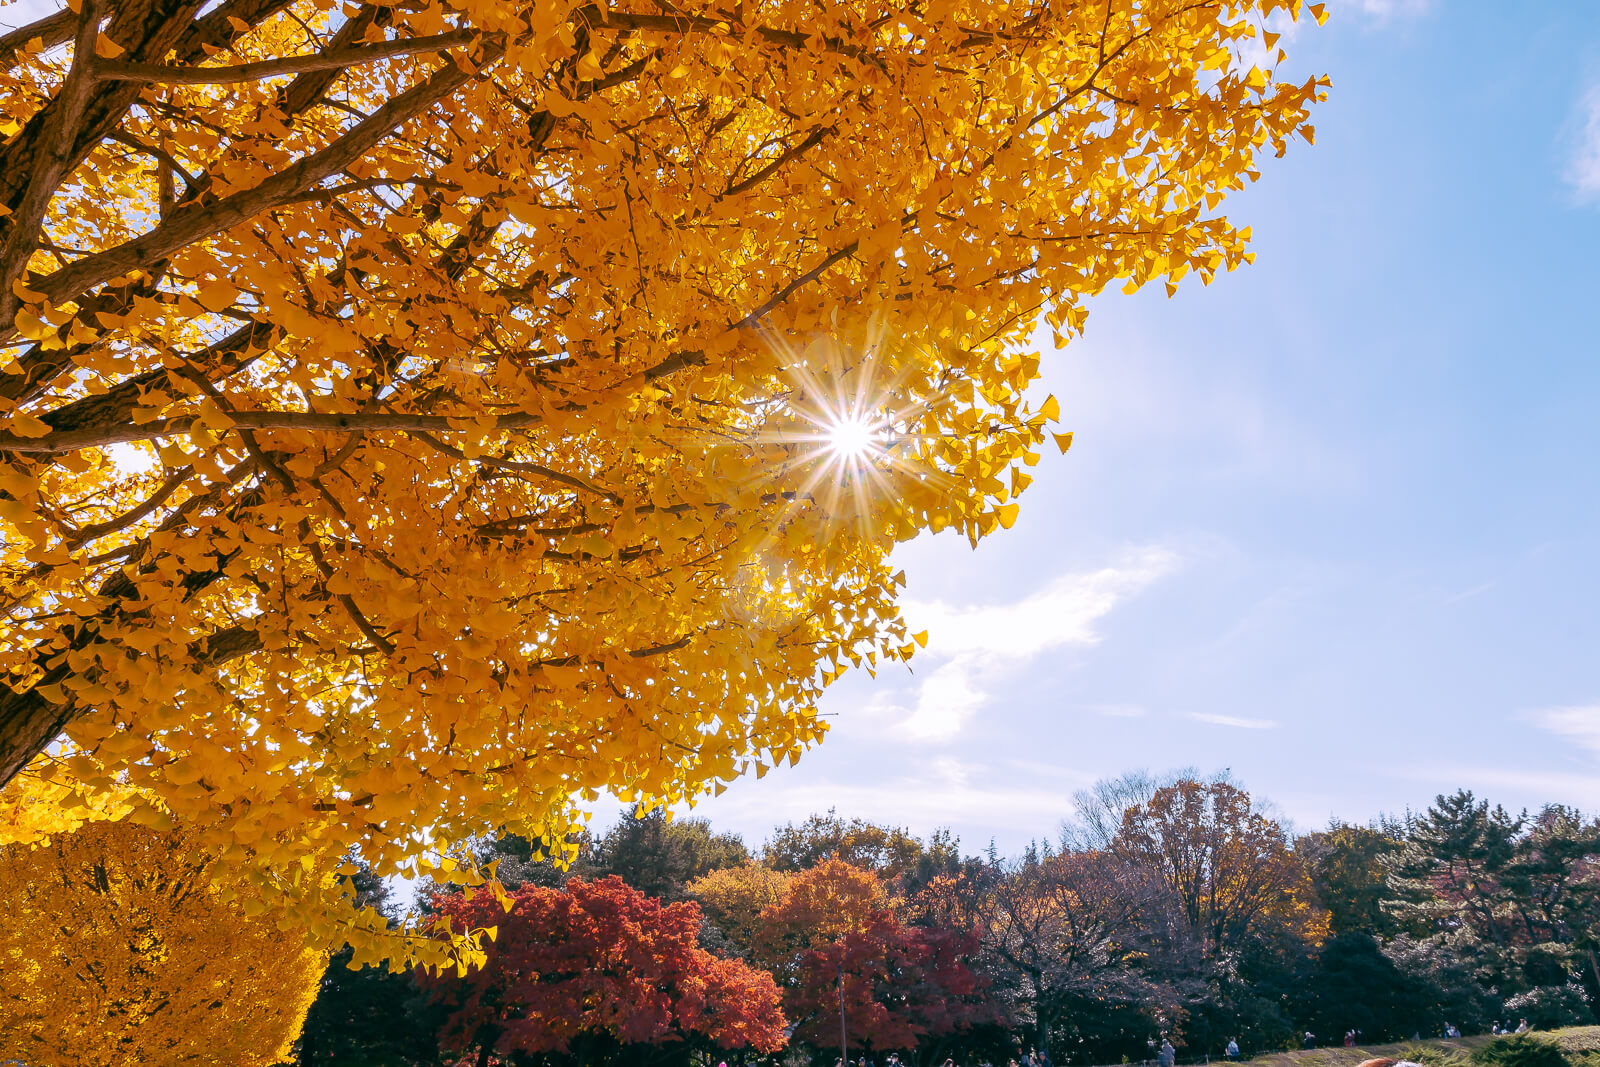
x: 415, y: 417
x: 119, y: 949
x: 734, y: 897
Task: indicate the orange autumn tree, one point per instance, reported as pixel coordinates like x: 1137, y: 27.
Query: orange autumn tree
x: 817, y: 907
x: 417, y: 416
x: 1228, y: 865
x: 835, y: 944
x: 119, y: 950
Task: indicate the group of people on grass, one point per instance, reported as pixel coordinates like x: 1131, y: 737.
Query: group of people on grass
x: 1494, y: 1028
x: 1030, y: 1058
x: 1167, y: 1055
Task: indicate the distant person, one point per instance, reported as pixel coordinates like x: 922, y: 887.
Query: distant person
x: 1349, y: 1039
x: 1522, y: 1027
x: 1168, y: 1056
x: 1233, y: 1048
x: 1451, y: 1031
x: 1311, y: 1040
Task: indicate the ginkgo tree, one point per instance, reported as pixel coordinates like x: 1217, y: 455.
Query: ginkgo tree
x: 124, y: 946
x: 421, y: 415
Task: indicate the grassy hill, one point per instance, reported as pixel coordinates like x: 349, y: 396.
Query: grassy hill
x: 1576, y: 1040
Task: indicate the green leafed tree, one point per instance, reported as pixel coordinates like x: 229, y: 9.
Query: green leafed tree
x: 1348, y: 868
x: 889, y: 851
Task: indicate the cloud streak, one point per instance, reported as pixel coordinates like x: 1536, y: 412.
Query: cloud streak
x: 1583, y: 171
x: 1579, y: 724
x: 1233, y: 721
x: 976, y: 646
x: 1389, y: 9
x: 943, y: 792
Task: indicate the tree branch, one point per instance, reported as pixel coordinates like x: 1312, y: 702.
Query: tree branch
x: 53, y: 161
x: 333, y: 59
x: 99, y: 437
x: 51, y: 30
x: 811, y: 140
x: 519, y: 466
x: 195, y: 222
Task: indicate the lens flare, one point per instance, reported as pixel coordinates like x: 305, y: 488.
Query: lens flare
x: 853, y: 438
x: 847, y: 414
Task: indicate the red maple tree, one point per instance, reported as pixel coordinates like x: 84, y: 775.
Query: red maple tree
x: 593, y: 968
x: 900, y: 983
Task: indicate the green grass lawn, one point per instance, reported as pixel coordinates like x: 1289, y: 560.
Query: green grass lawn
x: 1574, y: 1039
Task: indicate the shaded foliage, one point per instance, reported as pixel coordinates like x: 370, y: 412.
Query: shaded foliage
x: 124, y: 946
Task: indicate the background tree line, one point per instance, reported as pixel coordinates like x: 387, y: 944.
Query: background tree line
x: 1177, y: 906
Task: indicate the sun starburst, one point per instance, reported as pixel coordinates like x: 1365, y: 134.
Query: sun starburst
x: 853, y: 438
x: 848, y: 420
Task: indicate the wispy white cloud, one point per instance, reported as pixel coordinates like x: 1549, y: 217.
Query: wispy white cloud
x: 1370, y: 13
x: 1232, y: 720
x: 1583, y: 169
x: 1579, y: 724
x: 975, y: 645
x: 1118, y: 711
x: 946, y: 791
x: 1381, y: 11
x: 1532, y: 786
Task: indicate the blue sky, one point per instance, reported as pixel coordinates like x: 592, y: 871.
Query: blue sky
x: 1332, y: 522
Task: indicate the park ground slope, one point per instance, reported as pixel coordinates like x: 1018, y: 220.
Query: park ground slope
x: 1576, y: 1040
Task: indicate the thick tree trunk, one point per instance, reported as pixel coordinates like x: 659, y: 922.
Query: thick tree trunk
x: 1041, y: 1019
x: 28, y: 723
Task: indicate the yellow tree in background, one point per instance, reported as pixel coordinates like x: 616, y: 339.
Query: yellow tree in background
x: 419, y: 416
x: 119, y: 948
x: 733, y: 898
